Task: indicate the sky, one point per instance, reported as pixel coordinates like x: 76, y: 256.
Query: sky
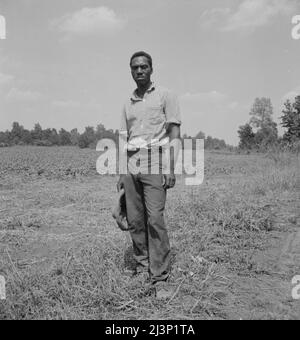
x: 65, y: 63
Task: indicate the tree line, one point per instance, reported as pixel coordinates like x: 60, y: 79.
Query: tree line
x: 38, y: 136
x: 210, y: 143
x: 261, y: 132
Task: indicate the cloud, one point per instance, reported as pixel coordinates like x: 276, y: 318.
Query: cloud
x: 87, y: 21
x: 291, y: 95
x: 22, y: 95
x: 68, y: 104
x: 208, y: 97
x: 233, y: 105
x: 214, y: 17
x: 249, y: 15
x: 5, y: 78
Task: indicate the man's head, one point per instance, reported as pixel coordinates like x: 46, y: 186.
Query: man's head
x: 141, y: 68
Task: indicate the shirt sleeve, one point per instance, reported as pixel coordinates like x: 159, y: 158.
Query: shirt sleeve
x: 172, y: 109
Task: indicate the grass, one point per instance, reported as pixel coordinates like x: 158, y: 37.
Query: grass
x: 64, y: 258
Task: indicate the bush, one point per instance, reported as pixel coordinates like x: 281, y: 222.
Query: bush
x: 83, y: 141
x: 42, y: 143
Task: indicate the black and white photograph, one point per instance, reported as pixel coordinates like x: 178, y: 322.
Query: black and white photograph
x: 149, y: 162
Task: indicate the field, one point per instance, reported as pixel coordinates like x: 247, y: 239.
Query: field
x: 235, y: 240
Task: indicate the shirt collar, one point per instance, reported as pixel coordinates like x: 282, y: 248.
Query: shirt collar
x: 134, y: 96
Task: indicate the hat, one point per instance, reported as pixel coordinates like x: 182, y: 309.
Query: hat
x: 119, y: 212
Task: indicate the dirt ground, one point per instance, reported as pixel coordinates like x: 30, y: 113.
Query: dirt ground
x: 235, y: 244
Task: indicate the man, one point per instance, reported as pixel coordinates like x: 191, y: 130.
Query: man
x: 150, y: 119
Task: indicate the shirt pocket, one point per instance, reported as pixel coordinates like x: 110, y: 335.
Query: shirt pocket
x: 155, y: 114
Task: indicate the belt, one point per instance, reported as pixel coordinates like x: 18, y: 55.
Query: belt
x: 160, y: 150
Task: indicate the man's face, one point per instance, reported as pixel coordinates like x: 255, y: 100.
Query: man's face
x: 141, y: 70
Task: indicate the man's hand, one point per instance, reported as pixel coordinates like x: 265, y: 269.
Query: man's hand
x: 120, y: 184
x: 170, y: 181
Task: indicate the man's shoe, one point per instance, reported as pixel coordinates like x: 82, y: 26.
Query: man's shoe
x: 138, y: 272
x: 141, y: 273
x: 129, y: 272
x: 141, y: 269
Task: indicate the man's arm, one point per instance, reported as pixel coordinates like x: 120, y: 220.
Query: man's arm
x: 175, y: 144
x: 123, y: 135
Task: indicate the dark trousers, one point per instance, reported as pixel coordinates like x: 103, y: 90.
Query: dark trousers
x: 145, y: 204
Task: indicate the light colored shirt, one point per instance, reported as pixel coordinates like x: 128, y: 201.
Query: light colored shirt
x: 146, y: 120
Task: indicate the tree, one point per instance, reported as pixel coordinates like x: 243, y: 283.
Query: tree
x: 54, y: 138
x: 90, y: 134
x: 200, y: 135
x: 211, y: 143
x: 26, y: 137
x: 64, y: 137
x: 266, y: 136
x: 37, y: 133
x: 87, y: 138
x: 261, y: 112
x: 83, y: 141
x: 291, y: 120
x: 4, y: 139
x: 16, y: 133
x: 262, y: 121
x: 46, y: 136
x: 100, y: 131
x: 74, y: 136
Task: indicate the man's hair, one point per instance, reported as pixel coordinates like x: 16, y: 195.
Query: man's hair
x: 142, y: 54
